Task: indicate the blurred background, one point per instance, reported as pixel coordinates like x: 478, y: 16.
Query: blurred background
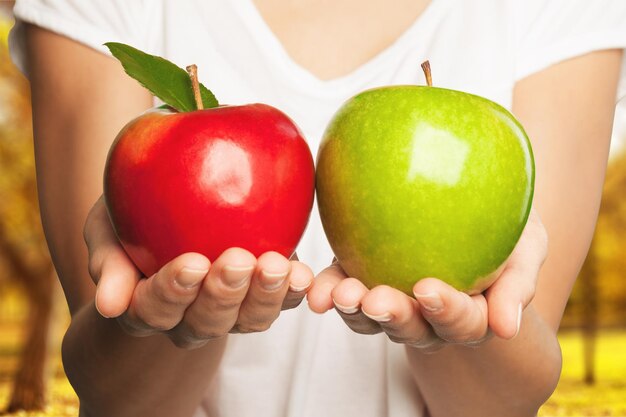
x: 33, y: 315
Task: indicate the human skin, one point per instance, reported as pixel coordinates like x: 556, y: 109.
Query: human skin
x: 571, y: 159
x: 513, y: 373
x: 169, y: 327
x: 387, y: 195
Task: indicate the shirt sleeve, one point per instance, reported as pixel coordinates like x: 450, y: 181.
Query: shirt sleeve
x: 91, y: 23
x: 551, y: 31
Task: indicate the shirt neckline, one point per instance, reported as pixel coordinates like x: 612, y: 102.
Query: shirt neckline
x: 303, y: 79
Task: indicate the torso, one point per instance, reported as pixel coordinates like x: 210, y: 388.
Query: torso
x: 306, y: 58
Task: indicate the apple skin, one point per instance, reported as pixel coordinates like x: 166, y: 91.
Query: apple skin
x: 415, y: 182
x: 208, y: 180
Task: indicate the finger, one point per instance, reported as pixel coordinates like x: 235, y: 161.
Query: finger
x: 319, y: 295
x: 117, y: 278
x: 508, y: 297
x: 159, y: 302
x: 300, y: 280
x: 214, y: 311
x: 109, y: 266
x: 265, y: 296
x: 455, y: 316
x: 347, y: 296
x: 399, y: 317
x: 100, y: 238
x: 515, y: 288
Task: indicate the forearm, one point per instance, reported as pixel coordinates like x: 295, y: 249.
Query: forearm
x: 115, y: 374
x: 500, y: 378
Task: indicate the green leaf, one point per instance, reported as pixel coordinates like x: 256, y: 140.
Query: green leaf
x: 165, y: 107
x: 163, y: 78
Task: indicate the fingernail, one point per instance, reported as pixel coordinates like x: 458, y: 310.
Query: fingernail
x: 519, y: 319
x: 345, y: 309
x: 272, y: 280
x: 382, y: 318
x: 236, y: 276
x: 295, y: 288
x: 190, y: 278
x: 431, y: 302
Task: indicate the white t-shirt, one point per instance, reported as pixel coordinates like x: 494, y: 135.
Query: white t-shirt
x: 309, y: 365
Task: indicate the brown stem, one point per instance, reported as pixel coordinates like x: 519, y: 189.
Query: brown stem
x: 193, y: 74
x: 427, y: 73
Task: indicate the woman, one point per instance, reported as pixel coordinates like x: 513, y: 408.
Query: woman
x: 555, y: 63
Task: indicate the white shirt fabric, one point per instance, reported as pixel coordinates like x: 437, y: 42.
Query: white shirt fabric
x: 309, y: 365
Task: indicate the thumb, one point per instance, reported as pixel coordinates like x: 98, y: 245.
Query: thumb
x: 116, y: 284
x: 515, y: 288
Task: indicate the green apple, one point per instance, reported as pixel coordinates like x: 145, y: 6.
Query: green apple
x: 418, y: 181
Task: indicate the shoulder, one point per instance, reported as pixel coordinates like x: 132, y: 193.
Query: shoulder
x: 89, y: 23
x: 551, y: 31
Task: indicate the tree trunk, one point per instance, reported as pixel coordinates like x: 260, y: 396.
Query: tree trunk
x: 37, y: 281
x: 29, y: 385
x: 589, y: 283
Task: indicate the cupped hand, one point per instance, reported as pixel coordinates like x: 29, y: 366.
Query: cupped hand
x: 439, y: 314
x: 190, y: 299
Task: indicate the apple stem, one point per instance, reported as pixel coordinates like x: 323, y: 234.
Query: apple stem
x: 193, y: 74
x: 427, y: 73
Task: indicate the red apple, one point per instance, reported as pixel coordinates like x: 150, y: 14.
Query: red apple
x: 207, y: 180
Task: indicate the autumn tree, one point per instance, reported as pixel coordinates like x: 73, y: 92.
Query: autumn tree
x: 22, y: 245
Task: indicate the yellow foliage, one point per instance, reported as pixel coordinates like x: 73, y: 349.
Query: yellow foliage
x: 20, y: 226
x: 608, y: 275
x: 572, y: 398
x: 5, y: 27
x: 607, y: 397
x: 19, y: 217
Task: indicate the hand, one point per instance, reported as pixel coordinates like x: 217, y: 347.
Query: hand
x: 191, y: 300
x: 439, y: 314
